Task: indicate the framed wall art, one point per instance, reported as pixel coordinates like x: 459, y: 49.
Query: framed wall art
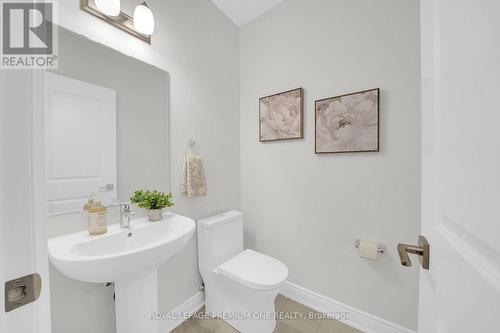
x: 281, y: 116
x: 348, y: 123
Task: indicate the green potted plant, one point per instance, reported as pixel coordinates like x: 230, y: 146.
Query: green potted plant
x: 153, y: 201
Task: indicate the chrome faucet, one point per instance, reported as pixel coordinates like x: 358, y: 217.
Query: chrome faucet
x: 125, y: 214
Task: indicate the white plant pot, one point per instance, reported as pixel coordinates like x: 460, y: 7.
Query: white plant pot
x: 155, y: 215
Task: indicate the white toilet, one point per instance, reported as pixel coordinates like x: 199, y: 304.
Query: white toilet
x: 240, y: 286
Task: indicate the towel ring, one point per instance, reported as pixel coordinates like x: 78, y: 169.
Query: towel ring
x: 189, y: 147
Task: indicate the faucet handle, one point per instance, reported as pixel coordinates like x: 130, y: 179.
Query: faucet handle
x: 125, y: 206
x: 107, y: 188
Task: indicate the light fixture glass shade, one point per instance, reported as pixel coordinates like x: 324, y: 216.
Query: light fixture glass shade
x: 108, y: 7
x: 144, y: 21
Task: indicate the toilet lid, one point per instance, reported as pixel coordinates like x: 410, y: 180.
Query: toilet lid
x: 255, y: 270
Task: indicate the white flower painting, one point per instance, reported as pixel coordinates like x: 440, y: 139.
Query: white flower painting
x: 281, y: 116
x: 348, y: 123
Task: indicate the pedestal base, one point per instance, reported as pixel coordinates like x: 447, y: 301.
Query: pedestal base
x: 135, y: 299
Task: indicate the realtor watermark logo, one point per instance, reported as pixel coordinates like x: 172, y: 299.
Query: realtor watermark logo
x: 29, y: 36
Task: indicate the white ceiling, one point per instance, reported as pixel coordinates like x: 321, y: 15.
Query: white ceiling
x: 243, y: 11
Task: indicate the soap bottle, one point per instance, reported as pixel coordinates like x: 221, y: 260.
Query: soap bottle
x: 98, y: 219
x: 89, y: 203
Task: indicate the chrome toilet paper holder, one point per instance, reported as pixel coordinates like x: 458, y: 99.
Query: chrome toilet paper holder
x: 380, y: 247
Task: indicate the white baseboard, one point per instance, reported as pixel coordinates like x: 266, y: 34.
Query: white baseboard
x: 193, y: 304
x: 358, y: 319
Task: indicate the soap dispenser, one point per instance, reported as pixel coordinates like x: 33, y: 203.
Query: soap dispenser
x: 90, y: 202
x: 97, y: 216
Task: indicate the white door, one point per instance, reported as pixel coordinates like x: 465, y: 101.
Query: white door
x: 80, y: 142
x: 23, y: 239
x: 461, y: 166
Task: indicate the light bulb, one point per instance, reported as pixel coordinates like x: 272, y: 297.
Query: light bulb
x: 144, y: 21
x: 108, y: 7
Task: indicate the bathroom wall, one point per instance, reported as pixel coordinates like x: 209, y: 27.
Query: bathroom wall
x: 199, y: 47
x: 307, y: 209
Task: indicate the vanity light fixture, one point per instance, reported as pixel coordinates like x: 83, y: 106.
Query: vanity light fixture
x: 108, y: 7
x: 141, y: 25
x: 144, y: 21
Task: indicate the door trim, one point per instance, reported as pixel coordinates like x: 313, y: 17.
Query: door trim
x: 39, y: 235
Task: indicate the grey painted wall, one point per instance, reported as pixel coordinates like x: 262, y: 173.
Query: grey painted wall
x: 305, y: 209
x: 199, y: 47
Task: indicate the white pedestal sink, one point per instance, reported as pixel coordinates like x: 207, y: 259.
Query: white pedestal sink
x: 130, y: 258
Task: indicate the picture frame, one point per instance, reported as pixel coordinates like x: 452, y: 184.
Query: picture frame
x: 281, y: 116
x: 348, y: 123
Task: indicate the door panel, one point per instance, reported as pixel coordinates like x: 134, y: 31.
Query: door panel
x: 461, y: 163
x: 23, y: 239
x: 470, y: 84
x: 80, y: 136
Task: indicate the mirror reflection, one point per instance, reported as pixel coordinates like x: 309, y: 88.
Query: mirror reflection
x: 107, y: 126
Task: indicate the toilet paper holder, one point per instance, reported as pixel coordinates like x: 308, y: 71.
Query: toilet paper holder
x: 380, y: 247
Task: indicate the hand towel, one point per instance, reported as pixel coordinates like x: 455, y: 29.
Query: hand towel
x: 193, y: 177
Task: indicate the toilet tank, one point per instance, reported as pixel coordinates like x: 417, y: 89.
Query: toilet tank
x: 220, y: 238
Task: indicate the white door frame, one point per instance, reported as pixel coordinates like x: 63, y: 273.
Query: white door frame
x: 40, y: 216
x: 429, y: 146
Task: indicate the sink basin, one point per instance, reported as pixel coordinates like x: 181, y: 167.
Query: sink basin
x: 120, y: 252
x: 130, y: 258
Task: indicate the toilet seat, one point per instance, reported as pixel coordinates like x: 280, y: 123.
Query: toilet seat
x: 255, y: 270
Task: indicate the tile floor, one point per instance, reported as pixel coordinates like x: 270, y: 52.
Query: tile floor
x: 283, y: 304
